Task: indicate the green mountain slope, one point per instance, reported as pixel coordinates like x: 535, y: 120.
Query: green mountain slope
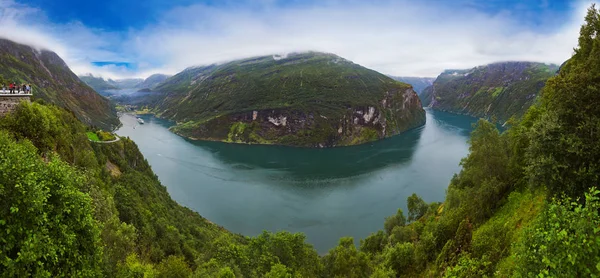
x: 418, y: 83
x: 53, y: 81
x: 500, y: 90
x: 309, y: 99
x: 98, y: 83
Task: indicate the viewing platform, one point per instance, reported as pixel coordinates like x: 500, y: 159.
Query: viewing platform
x: 9, y: 102
x: 7, y: 93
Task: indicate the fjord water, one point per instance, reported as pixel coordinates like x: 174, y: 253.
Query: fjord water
x: 324, y: 193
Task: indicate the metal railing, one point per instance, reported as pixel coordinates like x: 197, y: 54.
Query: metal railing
x: 16, y: 92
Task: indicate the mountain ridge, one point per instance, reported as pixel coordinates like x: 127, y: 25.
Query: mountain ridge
x: 53, y: 81
x: 307, y: 99
x: 501, y: 90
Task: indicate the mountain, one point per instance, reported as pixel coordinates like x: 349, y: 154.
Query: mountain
x: 98, y: 83
x: 53, y: 81
x: 309, y: 99
x: 126, y: 83
x: 418, y: 83
x: 152, y: 81
x: 500, y: 90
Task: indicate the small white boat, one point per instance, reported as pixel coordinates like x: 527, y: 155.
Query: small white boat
x: 140, y: 121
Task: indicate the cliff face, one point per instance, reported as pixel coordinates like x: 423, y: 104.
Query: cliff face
x: 310, y: 100
x: 54, y: 82
x: 398, y: 111
x: 500, y: 90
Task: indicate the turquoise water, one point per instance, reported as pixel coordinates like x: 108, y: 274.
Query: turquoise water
x: 324, y: 193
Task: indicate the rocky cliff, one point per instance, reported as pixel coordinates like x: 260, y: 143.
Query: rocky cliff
x: 309, y: 99
x: 500, y: 90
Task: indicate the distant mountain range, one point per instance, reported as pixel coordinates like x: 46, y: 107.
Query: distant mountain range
x: 418, y: 83
x: 152, y: 81
x: 309, y: 99
x: 53, y: 81
x: 499, y: 90
x: 100, y: 84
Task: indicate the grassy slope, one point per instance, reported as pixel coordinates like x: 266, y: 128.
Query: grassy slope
x: 500, y: 90
x: 54, y: 82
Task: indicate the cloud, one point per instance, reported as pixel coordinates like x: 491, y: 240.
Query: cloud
x: 393, y: 37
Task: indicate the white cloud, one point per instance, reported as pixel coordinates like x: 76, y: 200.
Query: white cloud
x: 393, y: 37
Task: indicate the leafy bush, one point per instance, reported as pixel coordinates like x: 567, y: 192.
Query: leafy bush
x: 564, y: 240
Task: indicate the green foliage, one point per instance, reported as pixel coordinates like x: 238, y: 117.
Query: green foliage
x: 400, y: 258
x: 92, y: 136
x: 564, y: 151
x: 283, y: 248
x: 402, y: 234
x: 345, y: 261
x: 416, y: 207
x: 74, y: 218
x: 105, y: 136
x: 374, y: 243
x: 134, y: 268
x: 174, y: 267
x: 47, y: 225
x: 394, y: 221
x: 469, y: 267
x: 278, y: 271
x: 564, y: 240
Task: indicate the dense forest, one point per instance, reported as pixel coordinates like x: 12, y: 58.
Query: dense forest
x: 524, y: 204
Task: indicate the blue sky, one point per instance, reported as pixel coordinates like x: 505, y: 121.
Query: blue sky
x: 124, y: 14
x: 124, y: 38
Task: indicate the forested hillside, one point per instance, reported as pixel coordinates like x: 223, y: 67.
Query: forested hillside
x: 499, y: 90
x: 53, y: 81
x: 304, y: 99
x: 525, y: 204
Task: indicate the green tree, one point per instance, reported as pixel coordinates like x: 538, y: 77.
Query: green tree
x: 345, y: 261
x: 278, y: 271
x: 374, y: 243
x: 174, y: 267
x: 134, y: 268
x: 400, y: 258
x: 46, y: 223
x: 564, y: 150
x: 284, y: 248
x: 394, y: 221
x: 416, y: 207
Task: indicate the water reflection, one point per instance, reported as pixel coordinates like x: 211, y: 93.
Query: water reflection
x: 324, y: 193
x: 317, y: 164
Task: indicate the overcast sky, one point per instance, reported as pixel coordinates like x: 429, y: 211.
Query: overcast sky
x: 132, y: 38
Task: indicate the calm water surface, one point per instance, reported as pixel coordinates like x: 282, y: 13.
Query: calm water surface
x: 324, y: 193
